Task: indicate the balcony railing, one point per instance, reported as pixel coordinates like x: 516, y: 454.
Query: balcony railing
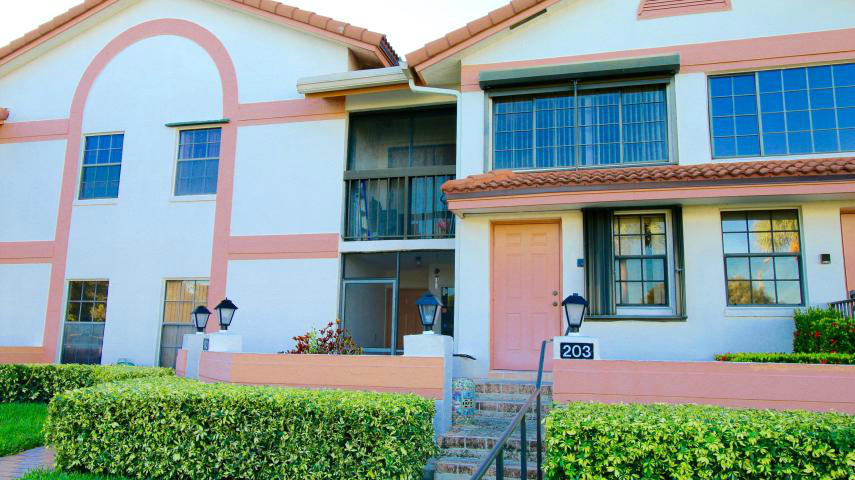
x: 405, y: 206
x: 846, y: 308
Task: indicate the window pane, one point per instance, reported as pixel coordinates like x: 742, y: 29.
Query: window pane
x: 654, y: 293
x: 739, y: 293
x: 760, y: 242
x: 787, y: 268
x: 631, y: 293
x: 735, y: 243
x: 737, y: 268
x: 654, y: 269
x: 785, y: 220
x: 629, y: 224
x: 762, y: 268
x: 375, y: 208
x: 786, y: 242
x: 654, y: 244
x: 629, y: 269
x: 630, y: 245
x: 733, y: 222
x: 763, y: 293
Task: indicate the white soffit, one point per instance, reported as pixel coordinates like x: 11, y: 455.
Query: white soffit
x: 374, y: 77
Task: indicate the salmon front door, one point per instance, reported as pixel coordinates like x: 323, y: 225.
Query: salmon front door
x: 526, y: 286
x: 847, y: 221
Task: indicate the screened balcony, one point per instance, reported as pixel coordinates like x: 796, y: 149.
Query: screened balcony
x: 397, y: 163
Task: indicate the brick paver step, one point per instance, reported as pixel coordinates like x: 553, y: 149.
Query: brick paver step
x: 448, y: 466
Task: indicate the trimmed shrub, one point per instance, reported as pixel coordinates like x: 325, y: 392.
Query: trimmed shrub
x: 39, y: 383
x: 823, y: 330
x: 824, y: 358
x: 686, y: 442
x: 173, y: 428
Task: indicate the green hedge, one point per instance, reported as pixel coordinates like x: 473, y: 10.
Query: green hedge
x: 825, y: 358
x: 39, y: 383
x: 823, y: 330
x: 173, y: 428
x: 685, y: 442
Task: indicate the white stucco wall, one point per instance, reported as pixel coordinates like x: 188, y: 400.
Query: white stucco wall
x: 280, y: 299
x: 712, y: 327
x: 577, y: 27
x: 267, y: 70
x: 288, y: 178
x: 24, y: 295
x: 29, y: 190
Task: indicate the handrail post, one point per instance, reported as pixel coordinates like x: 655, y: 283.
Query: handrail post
x: 539, y: 444
x: 500, y: 465
x: 523, y: 450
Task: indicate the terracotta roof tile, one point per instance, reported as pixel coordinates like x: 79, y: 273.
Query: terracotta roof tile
x: 303, y: 16
x: 506, y: 181
x: 475, y: 27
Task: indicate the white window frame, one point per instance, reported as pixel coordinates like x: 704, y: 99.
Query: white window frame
x: 670, y: 274
x: 195, y: 197
x: 101, y: 200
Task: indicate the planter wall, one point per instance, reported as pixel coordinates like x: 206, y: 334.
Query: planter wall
x: 754, y: 385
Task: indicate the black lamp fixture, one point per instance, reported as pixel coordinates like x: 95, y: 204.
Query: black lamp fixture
x: 200, y: 318
x: 226, y: 311
x: 428, y: 305
x: 575, y: 307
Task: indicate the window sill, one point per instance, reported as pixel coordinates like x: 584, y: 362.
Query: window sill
x: 635, y: 318
x: 193, y: 198
x: 95, y: 202
x: 760, y: 312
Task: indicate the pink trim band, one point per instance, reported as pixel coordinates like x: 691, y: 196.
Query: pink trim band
x: 649, y: 9
x: 322, y: 245
x: 26, y: 252
x: 829, y: 46
x: 36, y: 131
x: 22, y: 355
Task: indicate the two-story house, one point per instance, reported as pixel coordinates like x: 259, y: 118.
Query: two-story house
x: 687, y: 167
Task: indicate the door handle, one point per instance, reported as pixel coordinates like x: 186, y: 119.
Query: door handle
x: 554, y: 304
x: 555, y: 293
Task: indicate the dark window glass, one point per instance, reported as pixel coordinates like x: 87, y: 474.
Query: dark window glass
x: 102, y: 166
x: 640, y: 250
x: 586, y: 129
x: 85, y: 315
x: 397, y: 164
x: 801, y: 111
x: 762, y: 257
x: 198, y: 161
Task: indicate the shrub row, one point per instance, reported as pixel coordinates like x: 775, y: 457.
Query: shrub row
x: 823, y: 330
x: 173, y: 428
x: 683, y: 442
x: 829, y: 358
x: 39, y: 383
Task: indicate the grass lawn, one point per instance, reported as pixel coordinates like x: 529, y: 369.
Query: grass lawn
x: 51, y: 475
x: 21, y: 426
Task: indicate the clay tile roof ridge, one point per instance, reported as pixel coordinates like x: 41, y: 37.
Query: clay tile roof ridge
x: 504, y: 180
x: 306, y: 17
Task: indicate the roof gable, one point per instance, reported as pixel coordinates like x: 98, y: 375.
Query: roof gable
x: 479, y: 29
x: 302, y: 19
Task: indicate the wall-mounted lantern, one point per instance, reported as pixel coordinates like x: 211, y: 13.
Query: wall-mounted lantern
x: 428, y: 306
x: 575, y: 307
x: 200, y: 318
x: 226, y: 311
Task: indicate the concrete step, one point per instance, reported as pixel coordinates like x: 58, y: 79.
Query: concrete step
x: 458, y: 468
x: 509, y: 386
x: 504, y: 403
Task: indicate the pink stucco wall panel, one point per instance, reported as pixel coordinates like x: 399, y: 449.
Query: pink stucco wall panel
x: 779, y: 386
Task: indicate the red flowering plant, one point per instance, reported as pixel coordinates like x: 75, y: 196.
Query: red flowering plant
x: 823, y: 330
x: 330, y: 340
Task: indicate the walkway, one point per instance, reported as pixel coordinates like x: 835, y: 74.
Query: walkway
x: 16, y: 466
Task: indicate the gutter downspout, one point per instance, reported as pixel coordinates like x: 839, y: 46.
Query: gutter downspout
x: 458, y: 95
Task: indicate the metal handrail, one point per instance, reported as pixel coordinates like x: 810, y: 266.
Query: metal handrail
x: 497, y: 454
x: 845, y: 308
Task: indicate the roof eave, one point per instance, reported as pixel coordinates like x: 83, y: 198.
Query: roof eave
x: 376, y: 77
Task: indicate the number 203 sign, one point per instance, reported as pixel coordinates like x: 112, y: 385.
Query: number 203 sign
x: 577, y: 351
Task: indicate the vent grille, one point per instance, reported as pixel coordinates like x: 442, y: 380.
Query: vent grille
x: 669, y: 8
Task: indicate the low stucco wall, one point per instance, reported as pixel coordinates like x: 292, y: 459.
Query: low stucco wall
x: 419, y: 375
x: 22, y: 355
x: 754, y: 385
